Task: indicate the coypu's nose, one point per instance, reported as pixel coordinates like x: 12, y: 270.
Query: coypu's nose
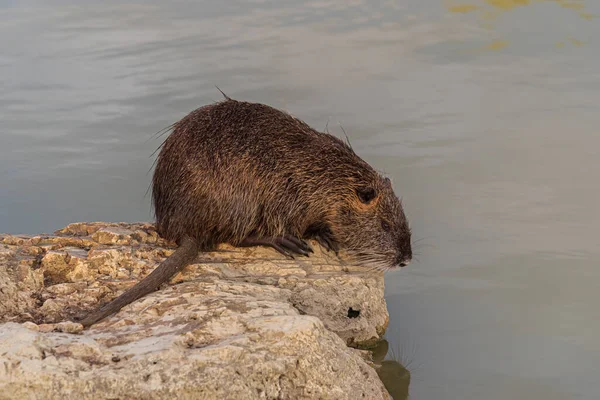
x: 402, y: 260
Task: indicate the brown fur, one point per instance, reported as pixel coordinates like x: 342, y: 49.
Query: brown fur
x: 245, y: 174
x: 234, y: 170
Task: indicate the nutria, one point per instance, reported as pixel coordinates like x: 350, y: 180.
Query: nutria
x: 247, y: 174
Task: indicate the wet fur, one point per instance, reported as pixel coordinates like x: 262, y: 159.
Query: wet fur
x: 233, y: 170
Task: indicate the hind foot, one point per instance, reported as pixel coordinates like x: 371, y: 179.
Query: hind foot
x: 287, y: 245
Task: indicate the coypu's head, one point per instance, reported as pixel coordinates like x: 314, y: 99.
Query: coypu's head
x: 370, y: 224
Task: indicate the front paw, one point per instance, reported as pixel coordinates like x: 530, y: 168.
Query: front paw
x: 326, y: 241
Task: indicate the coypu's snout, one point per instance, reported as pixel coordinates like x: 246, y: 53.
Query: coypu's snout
x: 402, y: 260
x: 404, y: 256
x: 400, y: 234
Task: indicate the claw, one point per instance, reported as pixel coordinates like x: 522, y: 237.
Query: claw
x: 308, y: 247
x: 299, y: 243
x: 283, y: 251
x: 327, y: 243
x: 294, y: 246
x: 286, y: 245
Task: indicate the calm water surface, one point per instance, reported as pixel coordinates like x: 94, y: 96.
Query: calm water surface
x: 486, y: 115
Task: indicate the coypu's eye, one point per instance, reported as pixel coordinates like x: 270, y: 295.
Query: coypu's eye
x: 386, y: 227
x: 366, y: 194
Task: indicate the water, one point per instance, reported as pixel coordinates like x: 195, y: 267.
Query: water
x: 484, y: 113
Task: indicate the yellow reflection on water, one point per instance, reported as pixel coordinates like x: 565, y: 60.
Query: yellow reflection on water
x: 496, y: 45
x: 506, y: 5
x: 576, y: 42
x: 489, y: 10
x: 462, y: 8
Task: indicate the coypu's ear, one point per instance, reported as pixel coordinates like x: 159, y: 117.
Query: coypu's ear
x: 366, y: 194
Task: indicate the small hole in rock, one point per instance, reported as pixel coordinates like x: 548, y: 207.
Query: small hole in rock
x: 353, y: 313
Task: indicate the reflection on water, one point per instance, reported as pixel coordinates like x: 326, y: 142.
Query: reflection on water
x: 490, y: 11
x: 392, y: 373
x: 495, y: 153
x: 395, y: 377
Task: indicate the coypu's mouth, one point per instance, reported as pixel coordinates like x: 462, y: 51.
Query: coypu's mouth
x: 399, y: 263
x: 397, y: 266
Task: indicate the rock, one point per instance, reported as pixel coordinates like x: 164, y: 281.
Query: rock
x: 350, y: 304
x: 30, y: 325
x: 19, y: 285
x: 113, y: 235
x: 45, y: 328
x: 240, y: 323
x: 55, y: 267
x: 272, y: 356
x: 69, y: 327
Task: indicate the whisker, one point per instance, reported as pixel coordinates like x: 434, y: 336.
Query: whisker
x: 372, y: 262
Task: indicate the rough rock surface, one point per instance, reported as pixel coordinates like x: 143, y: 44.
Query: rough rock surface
x: 240, y: 323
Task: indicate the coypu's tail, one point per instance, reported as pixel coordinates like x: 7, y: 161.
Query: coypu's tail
x: 185, y: 254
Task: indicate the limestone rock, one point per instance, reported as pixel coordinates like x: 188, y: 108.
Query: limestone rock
x: 239, y: 323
